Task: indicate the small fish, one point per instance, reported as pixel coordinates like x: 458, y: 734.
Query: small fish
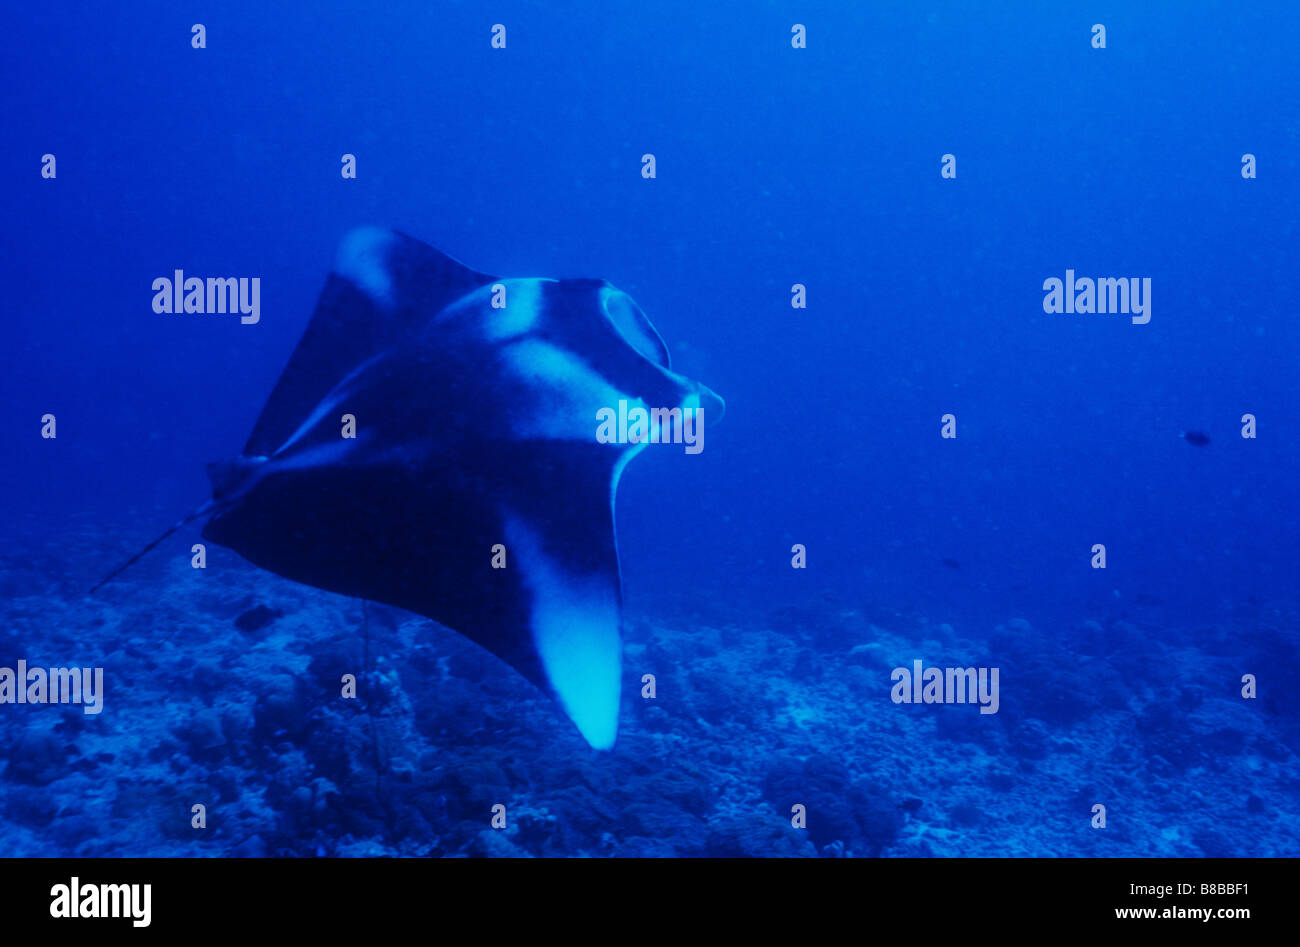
x: 1196, y: 437
x: 951, y: 563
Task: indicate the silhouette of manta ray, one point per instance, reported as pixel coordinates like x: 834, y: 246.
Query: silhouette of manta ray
x: 475, y: 429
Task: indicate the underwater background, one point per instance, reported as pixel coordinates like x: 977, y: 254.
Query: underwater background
x: 775, y: 166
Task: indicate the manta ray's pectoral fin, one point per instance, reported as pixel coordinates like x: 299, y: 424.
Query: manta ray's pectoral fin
x: 384, y: 284
x: 573, y: 621
x: 556, y: 514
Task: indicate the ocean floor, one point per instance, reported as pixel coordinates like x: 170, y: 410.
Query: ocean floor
x: 223, y: 688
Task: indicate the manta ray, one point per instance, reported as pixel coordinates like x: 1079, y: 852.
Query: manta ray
x: 472, y: 489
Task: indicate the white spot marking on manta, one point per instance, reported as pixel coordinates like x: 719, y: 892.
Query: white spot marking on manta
x: 569, y: 391
x: 575, y: 626
x: 523, y: 299
x: 363, y: 259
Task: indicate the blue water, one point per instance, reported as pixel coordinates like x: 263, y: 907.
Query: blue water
x: 1120, y: 687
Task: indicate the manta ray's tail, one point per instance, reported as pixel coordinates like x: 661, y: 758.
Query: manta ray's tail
x: 204, y: 509
x: 230, y: 479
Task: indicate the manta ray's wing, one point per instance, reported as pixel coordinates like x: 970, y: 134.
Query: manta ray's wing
x: 475, y: 491
x: 382, y: 284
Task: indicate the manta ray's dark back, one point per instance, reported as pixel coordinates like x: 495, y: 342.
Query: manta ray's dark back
x: 432, y: 445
